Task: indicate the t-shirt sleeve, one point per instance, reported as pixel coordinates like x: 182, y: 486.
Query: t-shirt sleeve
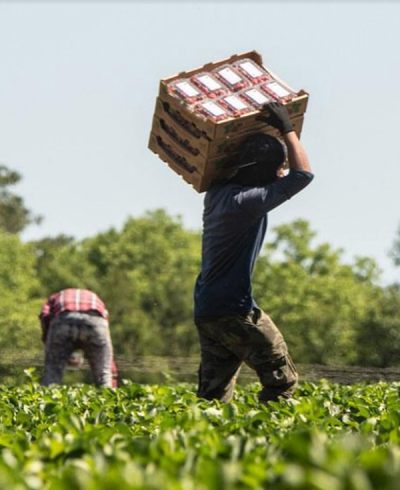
x: 260, y: 200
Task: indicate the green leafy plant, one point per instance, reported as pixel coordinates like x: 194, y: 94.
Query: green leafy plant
x: 329, y: 437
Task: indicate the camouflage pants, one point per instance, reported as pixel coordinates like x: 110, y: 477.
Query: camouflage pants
x: 75, y: 330
x: 229, y: 341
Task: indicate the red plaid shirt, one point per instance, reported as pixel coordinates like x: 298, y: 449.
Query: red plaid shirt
x: 71, y: 300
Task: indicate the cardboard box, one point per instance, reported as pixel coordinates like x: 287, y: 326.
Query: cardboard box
x: 199, y: 177
x: 212, y: 130
x: 200, y: 170
x: 198, y: 148
x: 297, y: 106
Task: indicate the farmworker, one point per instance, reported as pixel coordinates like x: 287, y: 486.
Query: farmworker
x: 232, y: 328
x: 74, y: 319
x: 76, y: 361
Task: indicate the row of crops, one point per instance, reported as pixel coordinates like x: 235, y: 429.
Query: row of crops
x: 330, y: 437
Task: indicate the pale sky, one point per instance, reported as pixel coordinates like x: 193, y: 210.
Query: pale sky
x: 78, y: 86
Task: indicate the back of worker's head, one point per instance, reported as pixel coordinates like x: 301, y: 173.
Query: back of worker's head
x: 260, y: 155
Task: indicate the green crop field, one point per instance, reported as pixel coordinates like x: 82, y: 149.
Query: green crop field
x: 330, y: 437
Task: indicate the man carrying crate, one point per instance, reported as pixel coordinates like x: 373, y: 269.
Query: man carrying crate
x: 232, y: 328
x: 74, y: 319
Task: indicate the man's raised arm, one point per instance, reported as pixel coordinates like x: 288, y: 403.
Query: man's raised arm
x: 297, y: 156
x: 276, y: 115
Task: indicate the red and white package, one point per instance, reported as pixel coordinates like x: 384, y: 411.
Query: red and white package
x: 251, y: 70
x: 208, y: 84
x: 185, y: 90
x: 231, y: 77
x: 212, y: 110
x: 235, y: 105
x: 256, y: 98
x: 277, y: 91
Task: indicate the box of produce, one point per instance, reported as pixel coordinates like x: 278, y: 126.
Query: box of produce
x: 202, y: 114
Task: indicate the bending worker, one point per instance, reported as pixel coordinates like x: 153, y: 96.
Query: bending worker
x: 232, y: 328
x: 74, y: 319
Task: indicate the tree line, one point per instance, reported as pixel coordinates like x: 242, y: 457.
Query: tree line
x: 330, y: 311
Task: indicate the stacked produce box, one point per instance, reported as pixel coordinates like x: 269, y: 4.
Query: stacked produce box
x: 202, y: 115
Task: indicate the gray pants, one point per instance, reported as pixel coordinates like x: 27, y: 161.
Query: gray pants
x: 75, y: 330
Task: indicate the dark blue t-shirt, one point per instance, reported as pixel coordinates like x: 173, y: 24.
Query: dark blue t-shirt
x: 234, y: 226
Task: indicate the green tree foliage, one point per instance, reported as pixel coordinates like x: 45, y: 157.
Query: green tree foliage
x: 19, y: 302
x: 145, y: 273
x: 316, y: 299
x: 14, y: 216
x: 395, y: 252
x: 378, y: 341
x: 329, y: 311
x: 61, y: 263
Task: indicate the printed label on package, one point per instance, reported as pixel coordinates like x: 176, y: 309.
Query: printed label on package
x: 187, y: 89
x: 213, y: 108
x: 251, y: 69
x: 235, y: 102
x: 209, y: 82
x: 257, y: 96
x: 278, y: 89
x: 230, y: 76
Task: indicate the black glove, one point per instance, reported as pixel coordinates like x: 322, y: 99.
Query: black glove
x: 276, y: 115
